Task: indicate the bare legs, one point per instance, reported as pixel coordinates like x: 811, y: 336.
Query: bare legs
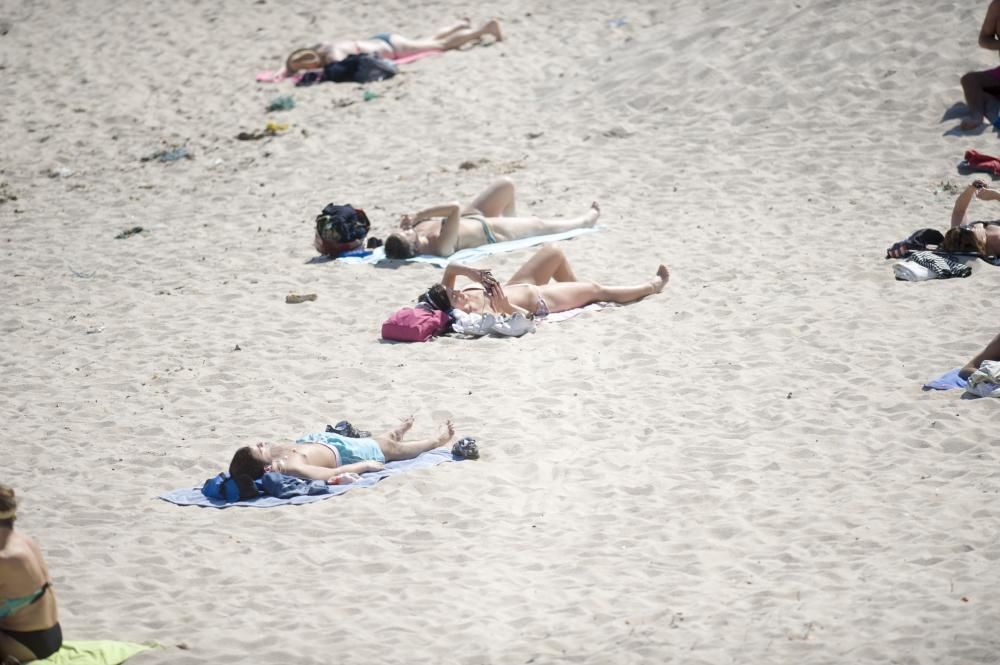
x: 497, y: 200
x: 513, y: 228
x: 450, y: 38
x: 549, y: 264
x: 991, y: 352
x: 975, y: 86
x: 394, y: 448
x: 12, y: 651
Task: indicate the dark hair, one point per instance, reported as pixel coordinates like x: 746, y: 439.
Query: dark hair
x: 398, y: 247
x: 245, y: 464
x: 437, y: 298
x: 963, y: 239
x: 8, y: 504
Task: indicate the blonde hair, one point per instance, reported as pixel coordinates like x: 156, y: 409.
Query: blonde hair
x: 8, y: 504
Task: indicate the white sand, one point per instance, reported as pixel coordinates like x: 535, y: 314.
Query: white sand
x: 740, y: 470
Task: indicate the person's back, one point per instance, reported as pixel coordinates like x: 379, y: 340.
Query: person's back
x: 29, y: 623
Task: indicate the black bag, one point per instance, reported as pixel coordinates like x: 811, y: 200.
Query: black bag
x: 359, y: 68
x: 340, y: 229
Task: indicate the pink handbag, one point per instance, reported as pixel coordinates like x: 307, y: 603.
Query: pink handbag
x: 414, y: 324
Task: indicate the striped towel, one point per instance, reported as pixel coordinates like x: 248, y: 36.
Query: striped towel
x: 943, y: 267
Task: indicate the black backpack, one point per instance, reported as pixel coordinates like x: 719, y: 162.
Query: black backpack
x: 340, y: 229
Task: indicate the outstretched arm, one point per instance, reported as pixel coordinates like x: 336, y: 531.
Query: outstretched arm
x: 988, y: 33
x: 311, y: 472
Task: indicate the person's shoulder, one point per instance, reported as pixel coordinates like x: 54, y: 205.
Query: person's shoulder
x: 20, y: 549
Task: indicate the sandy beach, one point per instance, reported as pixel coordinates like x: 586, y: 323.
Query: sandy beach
x: 741, y: 469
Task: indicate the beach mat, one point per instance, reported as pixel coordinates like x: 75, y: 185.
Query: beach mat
x: 193, y: 496
x: 473, y: 253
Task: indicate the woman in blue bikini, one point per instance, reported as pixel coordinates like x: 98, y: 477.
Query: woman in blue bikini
x: 334, y: 458
x: 29, y: 622
x: 545, y: 284
x: 390, y: 45
x: 490, y: 217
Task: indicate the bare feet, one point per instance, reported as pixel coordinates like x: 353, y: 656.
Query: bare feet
x: 447, y: 433
x: 403, y: 428
x: 492, y: 27
x: 971, y: 123
x: 661, y: 279
x: 592, y: 215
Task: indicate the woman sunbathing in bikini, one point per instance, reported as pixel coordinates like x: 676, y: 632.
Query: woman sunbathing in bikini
x: 981, y: 238
x: 334, y: 458
x: 29, y: 622
x: 546, y: 283
x: 491, y: 217
x: 390, y: 45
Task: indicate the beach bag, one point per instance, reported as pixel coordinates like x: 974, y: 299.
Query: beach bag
x: 340, y: 229
x: 224, y: 488
x: 414, y: 324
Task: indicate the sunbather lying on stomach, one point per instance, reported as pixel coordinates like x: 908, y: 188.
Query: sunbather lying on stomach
x: 325, y: 456
x: 491, y: 217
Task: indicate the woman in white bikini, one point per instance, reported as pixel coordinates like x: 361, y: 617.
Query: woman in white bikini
x: 490, y: 217
x: 546, y: 283
x: 29, y: 621
x: 389, y: 45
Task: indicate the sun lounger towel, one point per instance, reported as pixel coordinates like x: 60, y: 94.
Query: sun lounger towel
x: 950, y: 380
x: 301, y: 493
x: 475, y: 253
x: 93, y: 652
x: 985, y: 381
x: 570, y: 313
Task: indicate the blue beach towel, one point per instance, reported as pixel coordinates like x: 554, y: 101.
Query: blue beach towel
x: 295, y: 490
x: 950, y: 380
x: 474, y: 253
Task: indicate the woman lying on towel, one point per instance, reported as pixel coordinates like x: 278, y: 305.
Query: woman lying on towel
x: 491, y: 217
x: 390, y: 45
x: 545, y: 283
x: 334, y: 458
x: 982, y: 238
x: 29, y: 622
x: 991, y: 352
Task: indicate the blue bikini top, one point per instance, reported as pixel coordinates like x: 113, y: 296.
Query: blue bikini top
x: 8, y: 607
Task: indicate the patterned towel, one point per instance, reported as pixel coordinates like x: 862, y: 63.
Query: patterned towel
x: 943, y: 267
